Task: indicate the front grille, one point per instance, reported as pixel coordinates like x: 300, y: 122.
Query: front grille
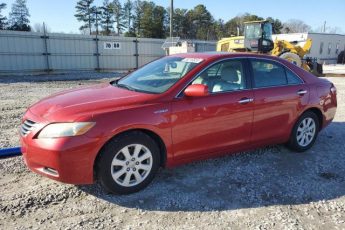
x: 27, y: 126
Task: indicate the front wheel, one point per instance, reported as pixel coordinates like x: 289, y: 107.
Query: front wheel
x: 128, y: 163
x: 304, y: 132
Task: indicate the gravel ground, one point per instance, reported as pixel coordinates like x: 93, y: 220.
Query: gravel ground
x: 269, y: 188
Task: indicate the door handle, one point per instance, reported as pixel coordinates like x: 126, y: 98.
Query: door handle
x: 301, y: 92
x: 245, y: 100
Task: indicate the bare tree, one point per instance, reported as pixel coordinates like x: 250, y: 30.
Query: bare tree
x: 39, y: 28
x: 328, y: 29
x: 296, y: 26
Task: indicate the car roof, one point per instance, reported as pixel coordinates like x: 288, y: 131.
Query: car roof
x: 214, y: 56
x: 220, y: 55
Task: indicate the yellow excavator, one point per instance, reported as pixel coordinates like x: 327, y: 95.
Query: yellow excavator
x: 258, y: 38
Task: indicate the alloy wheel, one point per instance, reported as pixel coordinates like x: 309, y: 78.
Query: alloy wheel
x: 306, y: 131
x: 131, y: 165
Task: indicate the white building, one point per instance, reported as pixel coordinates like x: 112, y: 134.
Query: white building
x: 325, y: 47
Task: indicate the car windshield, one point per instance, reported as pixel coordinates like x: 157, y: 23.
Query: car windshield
x: 158, y: 76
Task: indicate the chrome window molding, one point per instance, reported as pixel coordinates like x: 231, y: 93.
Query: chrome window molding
x: 179, y: 94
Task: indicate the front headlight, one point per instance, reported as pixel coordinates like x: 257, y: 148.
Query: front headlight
x: 65, y: 129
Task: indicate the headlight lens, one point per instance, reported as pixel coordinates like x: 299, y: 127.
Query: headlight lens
x: 65, y: 129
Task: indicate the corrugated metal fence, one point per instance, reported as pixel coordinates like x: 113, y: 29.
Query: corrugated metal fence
x: 38, y: 52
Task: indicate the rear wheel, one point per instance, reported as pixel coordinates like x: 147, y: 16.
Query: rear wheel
x: 304, y: 132
x: 128, y: 163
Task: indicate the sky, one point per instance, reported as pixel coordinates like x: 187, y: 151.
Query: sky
x: 59, y: 14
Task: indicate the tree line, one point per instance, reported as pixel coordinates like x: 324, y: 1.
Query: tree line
x: 18, y: 17
x: 138, y: 18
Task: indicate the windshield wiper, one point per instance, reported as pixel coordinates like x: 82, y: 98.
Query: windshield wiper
x: 126, y: 87
x: 130, y: 88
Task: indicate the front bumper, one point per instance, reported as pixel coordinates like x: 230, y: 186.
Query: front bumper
x: 69, y: 159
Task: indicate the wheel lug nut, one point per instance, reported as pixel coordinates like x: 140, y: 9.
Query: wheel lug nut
x: 134, y: 169
x: 128, y: 169
x: 133, y: 159
x: 127, y: 163
x: 137, y: 163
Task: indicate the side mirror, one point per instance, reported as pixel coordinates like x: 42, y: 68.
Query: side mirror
x: 196, y: 90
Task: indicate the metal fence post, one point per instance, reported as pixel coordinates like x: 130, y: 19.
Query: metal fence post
x: 45, y: 38
x: 97, y: 54
x: 136, y: 54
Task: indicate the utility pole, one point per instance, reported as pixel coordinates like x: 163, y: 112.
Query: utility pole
x: 96, y: 12
x: 171, y: 17
x: 97, y: 54
x: 324, y: 27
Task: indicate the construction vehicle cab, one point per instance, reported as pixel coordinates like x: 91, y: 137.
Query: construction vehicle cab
x: 258, y: 39
x: 258, y: 36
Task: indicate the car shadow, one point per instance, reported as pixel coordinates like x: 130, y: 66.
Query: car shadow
x: 263, y: 177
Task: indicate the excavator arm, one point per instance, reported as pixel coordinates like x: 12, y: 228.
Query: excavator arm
x: 282, y: 46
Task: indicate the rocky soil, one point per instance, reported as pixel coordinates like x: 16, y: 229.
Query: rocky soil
x: 269, y: 188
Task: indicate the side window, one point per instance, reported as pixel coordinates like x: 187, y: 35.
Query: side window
x: 225, y: 47
x: 292, y: 78
x: 329, y: 48
x: 268, y: 73
x: 223, y: 76
x: 337, y: 48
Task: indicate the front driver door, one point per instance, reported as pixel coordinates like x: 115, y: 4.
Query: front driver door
x: 218, y: 122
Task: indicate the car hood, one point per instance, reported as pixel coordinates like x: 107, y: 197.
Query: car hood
x: 71, y: 105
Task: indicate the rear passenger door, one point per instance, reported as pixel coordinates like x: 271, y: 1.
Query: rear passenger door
x: 279, y: 96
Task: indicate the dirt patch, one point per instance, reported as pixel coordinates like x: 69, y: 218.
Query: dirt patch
x: 267, y: 188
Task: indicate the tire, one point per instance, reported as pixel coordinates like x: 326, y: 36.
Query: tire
x: 304, y: 133
x: 128, y: 163
x: 293, y: 58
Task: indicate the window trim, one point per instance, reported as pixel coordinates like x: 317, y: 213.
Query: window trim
x: 245, y: 71
x: 279, y: 64
x: 286, y: 69
x: 248, y: 71
x: 321, y: 48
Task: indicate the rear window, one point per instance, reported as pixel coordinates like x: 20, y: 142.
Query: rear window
x: 267, y: 73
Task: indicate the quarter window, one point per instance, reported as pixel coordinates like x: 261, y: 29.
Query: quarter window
x: 292, y: 78
x: 329, y: 48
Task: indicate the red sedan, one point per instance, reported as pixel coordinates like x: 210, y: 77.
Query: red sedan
x: 172, y: 111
